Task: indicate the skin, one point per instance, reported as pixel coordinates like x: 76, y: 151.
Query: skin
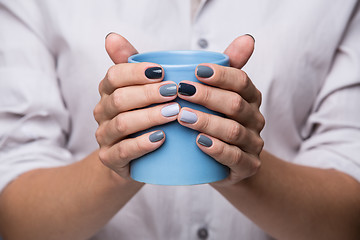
x: 286, y: 200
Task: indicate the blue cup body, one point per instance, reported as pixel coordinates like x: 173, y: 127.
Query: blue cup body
x: 179, y: 161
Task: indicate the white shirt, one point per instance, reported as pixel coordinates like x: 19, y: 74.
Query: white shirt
x: 306, y: 63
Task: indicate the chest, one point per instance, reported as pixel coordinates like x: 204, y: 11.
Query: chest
x: 295, y: 45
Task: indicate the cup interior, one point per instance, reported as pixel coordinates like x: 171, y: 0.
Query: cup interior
x: 180, y: 58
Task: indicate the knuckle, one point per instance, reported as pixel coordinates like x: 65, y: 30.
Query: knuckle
x: 97, y: 112
x: 235, y: 158
x: 136, y: 70
x: 101, y: 86
x: 260, y: 145
x: 149, y: 116
x: 206, y: 96
x: 245, y: 80
x: 120, y: 125
x: 103, y: 156
x: 255, y: 167
x: 142, y: 148
x: 237, y: 104
x: 112, y: 75
x: 222, y: 73
x: 122, y: 152
x: 148, y: 93
x: 117, y: 98
x: 99, y: 136
x: 153, y: 118
x: 219, y: 151
x: 261, y: 122
x: 234, y: 133
x: 205, y: 123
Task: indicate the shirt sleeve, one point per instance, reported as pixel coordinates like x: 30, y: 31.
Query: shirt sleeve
x: 332, y: 132
x: 34, y: 122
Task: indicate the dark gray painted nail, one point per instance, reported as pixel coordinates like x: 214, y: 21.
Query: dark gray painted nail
x: 205, y: 141
x: 188, y: 117
x: 108, y: 34
x: 187, y: 89
x: 251, y: 36
x: 156, y: 136
x: 204, y: 71
x: 168, y: 90
x: 153, y: 73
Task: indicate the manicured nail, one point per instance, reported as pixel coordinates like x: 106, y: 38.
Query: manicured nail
x: 170, y: 110
x: 251, y: 36
x: 188, y: 117
x: 108, y: 34
x: 205, y: 141
x: 156, y: 136
x: 153, y: 72
x: 187, y: 89
x: 168, y: 90
x: 204, y: 71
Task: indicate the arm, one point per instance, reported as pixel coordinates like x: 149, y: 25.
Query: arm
x: 290, y: 201
x: 75, y: 201
x: 286, y: 200
x: 70, y: 202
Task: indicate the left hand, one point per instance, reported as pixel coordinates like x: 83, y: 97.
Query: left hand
x: 233, y: 141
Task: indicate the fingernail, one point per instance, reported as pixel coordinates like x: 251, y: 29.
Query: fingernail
x: 204, y: 71
x: 188, y: 117
x: 170, y: 110
x: 108, y: 34
x: 205, y: 141
x: 168, y: 90
x: 187, y: 89
x: 153, y: 72
x: 251, y: 36
x: 156, y: 136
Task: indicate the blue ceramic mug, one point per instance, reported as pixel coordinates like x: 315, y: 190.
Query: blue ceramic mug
x: 179, y: 161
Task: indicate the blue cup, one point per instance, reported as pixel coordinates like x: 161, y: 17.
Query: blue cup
x: 179, y: 161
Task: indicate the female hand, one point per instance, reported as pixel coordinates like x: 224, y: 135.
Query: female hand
x: 233, y: 141
x: 126, y: 88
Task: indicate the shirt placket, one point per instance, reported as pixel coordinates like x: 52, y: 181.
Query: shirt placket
x: 199, y: 40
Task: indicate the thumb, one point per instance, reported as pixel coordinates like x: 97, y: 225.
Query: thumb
x: 118, y: 48
x: 240, y: 50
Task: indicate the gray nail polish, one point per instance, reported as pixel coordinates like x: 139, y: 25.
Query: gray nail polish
x: 204, y: 71
x: 205, y: 141
x: 170, y: 110
x: 251, y: 36
x: 108, y: 34
x: 188, y: 117
x: 156, y: 136
x: 168, y: 90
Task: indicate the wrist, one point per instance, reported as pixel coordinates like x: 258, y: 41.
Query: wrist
x: 113, y: 180
x: 250, y: 183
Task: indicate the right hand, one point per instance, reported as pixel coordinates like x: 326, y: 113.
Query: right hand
x: 125, y: 91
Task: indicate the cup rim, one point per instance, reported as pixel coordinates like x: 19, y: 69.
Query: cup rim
x: 222, y: 58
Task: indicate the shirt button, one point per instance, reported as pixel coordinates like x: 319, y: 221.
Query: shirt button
x: 203, y: 43
x: 203, y: 233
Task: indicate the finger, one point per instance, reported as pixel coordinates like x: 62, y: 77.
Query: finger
x: 131, y: 122
x: 128, y: 74
x: 141, y: 96
x: 223, y: 101
x: 224, y: 129
x: 229, y: 78
x: 241, y: 164
x: 240, y: 50
x: 118, y: 156
x: 118, y: 48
